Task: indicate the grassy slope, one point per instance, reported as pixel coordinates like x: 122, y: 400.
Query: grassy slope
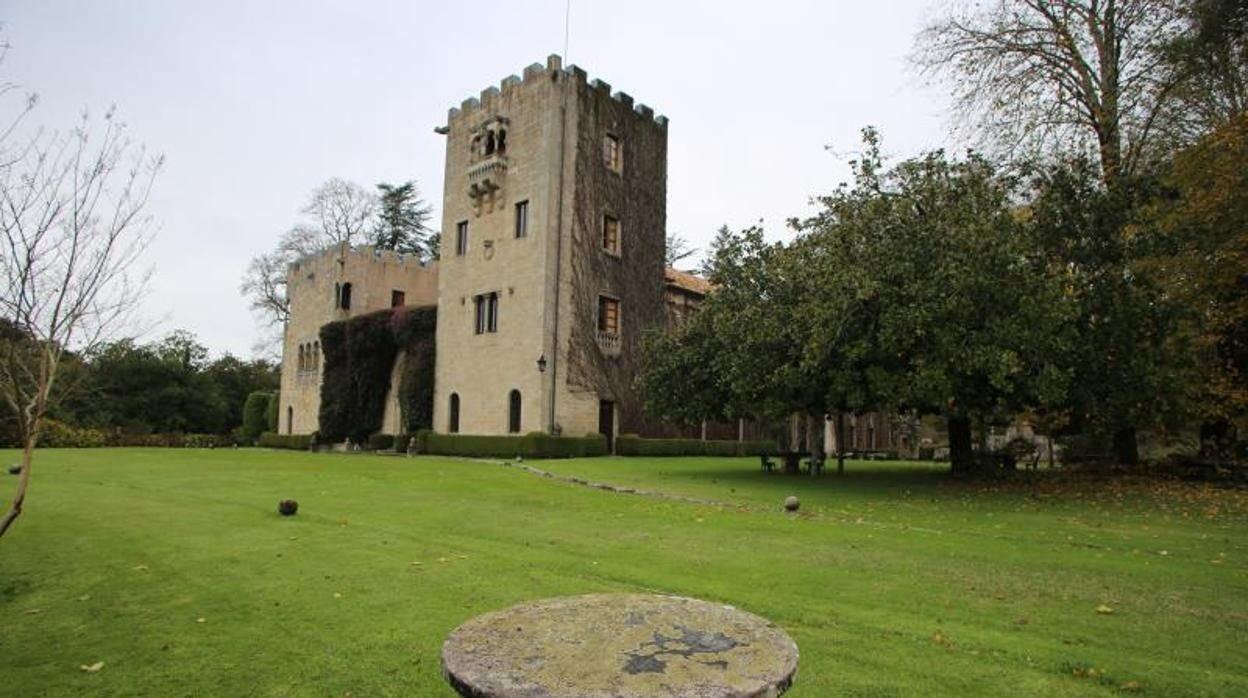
x: 893, y: 581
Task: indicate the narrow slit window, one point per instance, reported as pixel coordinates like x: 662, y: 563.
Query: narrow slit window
x: 513, y: 412
x: 461, y: 238
x: 522, y: 219
x: 398, y: 298
x: 453, y: 422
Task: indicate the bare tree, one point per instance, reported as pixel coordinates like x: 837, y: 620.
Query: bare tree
x: 678, y: 249
x: 339, y: 214
x: 72, y: 226
x: 343, y: 212
x: 1045, y: 76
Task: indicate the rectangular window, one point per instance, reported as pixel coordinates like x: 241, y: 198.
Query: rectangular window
x: 608, y: 315
x: 461, y: 238
x: 522, y: 219
x: 611, y: 234
x: 397, y: 298
x: 612, y: 154
x: 485, y: 313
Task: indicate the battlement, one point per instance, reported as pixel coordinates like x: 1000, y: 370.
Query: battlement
x: 359, y: 253
x: 552, y: 70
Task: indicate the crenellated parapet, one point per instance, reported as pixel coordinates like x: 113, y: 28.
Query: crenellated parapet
x: 487, y: 102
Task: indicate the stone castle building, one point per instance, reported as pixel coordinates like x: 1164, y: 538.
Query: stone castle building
x: 553, y: 234
x: 338, y: 284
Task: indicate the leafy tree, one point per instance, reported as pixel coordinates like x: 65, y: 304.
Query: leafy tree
x: 1201, y: 264
x: 255, y: 414
x: 929, y: 296
x: 1128, y: 360
x: 1209, y: 60
x: 403, y: 220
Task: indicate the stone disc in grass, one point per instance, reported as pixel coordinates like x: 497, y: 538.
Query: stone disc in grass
x: 287, y: 507
x: 619, y: 645
x: 791, y: 504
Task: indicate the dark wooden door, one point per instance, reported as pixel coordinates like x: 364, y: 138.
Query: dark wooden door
x: 606, y: 423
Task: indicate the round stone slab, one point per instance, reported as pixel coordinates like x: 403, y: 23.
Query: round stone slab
x: 618, y: 645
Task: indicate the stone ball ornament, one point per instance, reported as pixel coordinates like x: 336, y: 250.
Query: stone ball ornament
x: 791, y: 503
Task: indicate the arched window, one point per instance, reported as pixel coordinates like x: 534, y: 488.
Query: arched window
x: 290, y: 419
x: 344, y: 299
x: 316, y: 355
x: 302, y: 358
x: 453, y: 425
x: 489, y: 143
x: 502, y: 141
x: 513, y: 412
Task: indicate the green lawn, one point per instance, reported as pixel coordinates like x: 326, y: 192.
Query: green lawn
x: 173, y: 569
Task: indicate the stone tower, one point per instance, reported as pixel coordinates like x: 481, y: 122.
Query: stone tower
x: 553, y: 233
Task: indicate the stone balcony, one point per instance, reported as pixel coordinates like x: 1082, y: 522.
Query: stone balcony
x: 609, y: 343
x: 487, y: 176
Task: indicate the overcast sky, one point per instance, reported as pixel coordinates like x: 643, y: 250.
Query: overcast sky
x: 255, y: 103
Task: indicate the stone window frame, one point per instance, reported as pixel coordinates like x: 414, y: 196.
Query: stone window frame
x: 461, y: 238
x: 605, y: 302
x: 612, y: 245
x: 521, y: 211
x: 613, y: 152
x: 515, y: 408
x: 485, y: 312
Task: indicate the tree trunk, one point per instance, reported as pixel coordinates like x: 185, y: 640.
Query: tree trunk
x: 23, y: 482
x: 840, y: 443
x: 961, y: 456
x: 814, y: 434
x: 1126, y: 450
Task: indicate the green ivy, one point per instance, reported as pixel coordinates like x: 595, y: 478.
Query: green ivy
x: 359, y: 355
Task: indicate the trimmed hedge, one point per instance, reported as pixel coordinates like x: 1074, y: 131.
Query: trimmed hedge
x: 57, y: 434
x: 380, y: 442
x: 297, y: 442
x: 532, y: 445
x: 633, y: 445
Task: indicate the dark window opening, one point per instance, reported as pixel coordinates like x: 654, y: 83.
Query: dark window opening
x: 522, y: 219
x: 513, y: 412
x: 461, y: 238
x: 485, y: 313
x: 453, y: 425
x: 501, y: 145
x: 398, y: 298
x: 290, y: 420
x: 344, y: 297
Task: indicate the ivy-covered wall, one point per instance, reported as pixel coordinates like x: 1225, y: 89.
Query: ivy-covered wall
x: 359, y: 355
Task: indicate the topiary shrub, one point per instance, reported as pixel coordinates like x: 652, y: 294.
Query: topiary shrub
x: 287, y: 507
x: 255, y: 414
x: 297, y: 442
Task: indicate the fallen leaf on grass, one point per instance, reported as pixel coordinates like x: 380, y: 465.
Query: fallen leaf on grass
x: 139, y: 568
x: 416, y: 564
x: 1104, y: 609
x: 33, y: 611
x: 1132, y: 687
x: 84, y: 597
x: 92, y: 668
x: 337, y: 595
x: 442, y: 559
x: 201, y: 620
